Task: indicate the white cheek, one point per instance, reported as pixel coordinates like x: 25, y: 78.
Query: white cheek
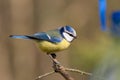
x: 68, y: 37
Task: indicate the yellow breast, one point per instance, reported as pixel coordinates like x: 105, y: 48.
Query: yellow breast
x: 53, y: 47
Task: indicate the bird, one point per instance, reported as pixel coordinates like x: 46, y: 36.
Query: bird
x: 53, y: 40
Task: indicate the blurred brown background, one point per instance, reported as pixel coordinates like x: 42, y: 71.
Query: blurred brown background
x: 22, y: 60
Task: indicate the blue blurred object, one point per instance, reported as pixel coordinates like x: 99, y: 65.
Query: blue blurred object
x: 102, y: 14
x: 116, y: 17
x: 115, y: 23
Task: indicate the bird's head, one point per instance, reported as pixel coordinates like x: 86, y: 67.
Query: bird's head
x: 68, y: 33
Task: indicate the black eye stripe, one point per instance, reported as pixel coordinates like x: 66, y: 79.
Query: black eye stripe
x: 70, y: 34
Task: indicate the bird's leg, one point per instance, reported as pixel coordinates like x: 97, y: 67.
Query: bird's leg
x: 56, y: 63
x: 53, y: 58
x: 54, y: 55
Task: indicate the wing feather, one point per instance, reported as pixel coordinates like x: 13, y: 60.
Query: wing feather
x: 47, y: 37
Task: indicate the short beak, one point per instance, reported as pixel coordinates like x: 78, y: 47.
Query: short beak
x: 75, y: 37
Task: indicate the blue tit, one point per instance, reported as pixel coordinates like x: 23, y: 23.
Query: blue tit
x: 53, y: 40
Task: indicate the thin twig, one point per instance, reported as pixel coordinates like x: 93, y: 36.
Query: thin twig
x: 44, y: 75
x: 60, y: 69
x: 78, y: 71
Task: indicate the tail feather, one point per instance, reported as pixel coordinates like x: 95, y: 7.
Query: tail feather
x: 19, y: 36
x: 24, y: 37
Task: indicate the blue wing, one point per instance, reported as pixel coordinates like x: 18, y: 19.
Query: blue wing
x: 47, y: 37
x: 54, y: 38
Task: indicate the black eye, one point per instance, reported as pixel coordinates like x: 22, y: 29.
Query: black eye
x: 71, y: 35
